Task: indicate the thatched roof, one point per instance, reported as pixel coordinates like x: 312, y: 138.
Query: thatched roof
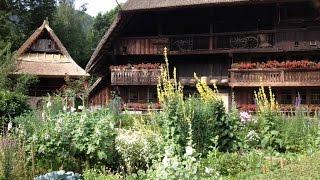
x: 58, y: 64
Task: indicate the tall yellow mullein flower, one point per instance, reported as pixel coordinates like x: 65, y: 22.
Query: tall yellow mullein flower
x: 206, y: 93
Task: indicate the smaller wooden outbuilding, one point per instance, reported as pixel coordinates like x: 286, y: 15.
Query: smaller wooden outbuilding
x: 44, y: 56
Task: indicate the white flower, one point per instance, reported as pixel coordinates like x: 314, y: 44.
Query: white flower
x: 166, y: 161
x: 175, y: 165
x: 208, y: 170
x: 252, y: 135
x: 73, y: 109
x: 59, y: 121
x: 189, y: 151
x: 49, y: 104
x: 97, y: 131
x: 9, y: 126
x: 43, y: 115
x: 80, y: 107
x: 64, y: 108
x: 47, y: 137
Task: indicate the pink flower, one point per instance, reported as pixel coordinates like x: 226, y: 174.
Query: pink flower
x: 245, y: 117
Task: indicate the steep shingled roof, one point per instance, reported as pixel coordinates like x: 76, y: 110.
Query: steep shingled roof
x: 46, y: 64
x: 155, y: 4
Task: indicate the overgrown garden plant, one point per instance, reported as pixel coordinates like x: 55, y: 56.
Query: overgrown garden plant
x: 268, y: 119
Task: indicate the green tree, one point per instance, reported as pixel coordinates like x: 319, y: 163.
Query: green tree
x: 72, y: 27
x: 101, y: 24
x: 38, y: 10
x: 12, y: 90
x: 9, y: 29
x: 6, y: 66
x: 18, y: 84
x: 19, y: 18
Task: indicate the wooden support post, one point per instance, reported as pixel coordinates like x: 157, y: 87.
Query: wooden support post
x: 211, y: 37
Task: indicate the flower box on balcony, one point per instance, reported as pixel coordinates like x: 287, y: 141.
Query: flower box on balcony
x: 293, y: 64
x: 143, y: 66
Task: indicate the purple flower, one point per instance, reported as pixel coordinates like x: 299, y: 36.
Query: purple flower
x: 245, y: 117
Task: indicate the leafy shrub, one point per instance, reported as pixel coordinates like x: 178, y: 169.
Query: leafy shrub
x: 18, y: 84
x: 137, y: 149
x: 175, y: 115
x: 72, y: 140
x: 12, y: 104
x: 22, y: 83
x: 304, y: 167
x: 173, y: 166
x: 13, y: 163
x: 93, y: 174
x: 298, y: 133
x: 216, y: 122
x: 203, y: 125
x: 268, y: 119
x: 231, y: 164
x: 226, y: 163
x: 206, y: 114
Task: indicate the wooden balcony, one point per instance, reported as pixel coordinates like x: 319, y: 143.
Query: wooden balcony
x: 274, y: 77
x: 135, y: 77
x: 229, y: 42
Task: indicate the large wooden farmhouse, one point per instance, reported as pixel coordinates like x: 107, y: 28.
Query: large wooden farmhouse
x: 44, y: 56
x: 238, y: 45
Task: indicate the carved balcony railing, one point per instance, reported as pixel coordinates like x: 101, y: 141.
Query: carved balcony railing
x: 245, y: 40
x: 274, y: 77
x: 135, y: 77
x: 260, y: 41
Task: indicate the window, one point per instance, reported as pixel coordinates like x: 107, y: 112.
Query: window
x: 286, y: 97
x: 133, y: 95
x: 297, y: 10
x: 315, y: 97
x: 301, y: 97
x: 153, y: 95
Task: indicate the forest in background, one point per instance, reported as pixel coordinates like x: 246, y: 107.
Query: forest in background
x: 79, y: 32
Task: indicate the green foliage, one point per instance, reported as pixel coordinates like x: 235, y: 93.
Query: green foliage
x: 35, y: 11
x: 101, y: 23
x: 93, y: 174
x: 6, y: 64
x: 299, y: 133
x: 225, y: 128
x: 231, y: 164
x: 203, y: 125
x: 9, y: 30
x: 19, y: 83
x: 71, y: 26
x: 137, y: 149
x: 268, y: 119
x: 305, y: 167
x: 22, y: 17
x: 176, y: 115
x: 12, y: 104
x: 23, y: 82
x: 13, y: 164
x: 70, y: 140
x: 210, y: 120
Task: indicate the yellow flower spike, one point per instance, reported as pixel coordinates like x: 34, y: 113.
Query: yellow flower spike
x: 167, y: 89
x: 264, y: 102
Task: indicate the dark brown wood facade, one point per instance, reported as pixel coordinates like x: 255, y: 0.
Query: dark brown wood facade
x: 207, y: 40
